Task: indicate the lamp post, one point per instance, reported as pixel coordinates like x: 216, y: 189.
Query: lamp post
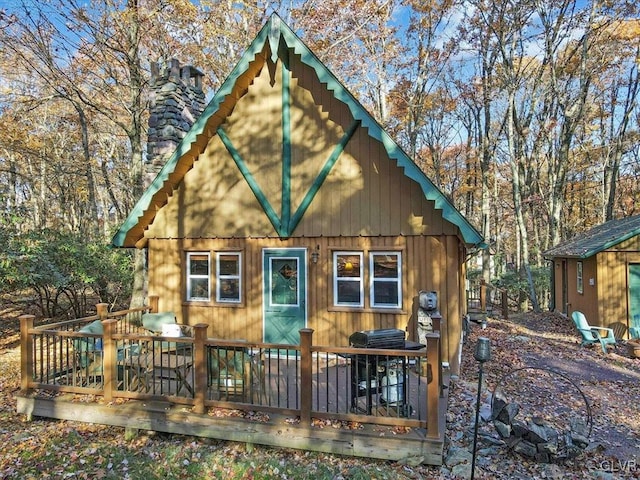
x: 482, y: 354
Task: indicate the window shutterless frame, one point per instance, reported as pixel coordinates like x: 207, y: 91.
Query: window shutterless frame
x: 228, y: 277
x: 579, y: 279
x: 385, y: 275
x: 198, y: 276
x: 348, y: 279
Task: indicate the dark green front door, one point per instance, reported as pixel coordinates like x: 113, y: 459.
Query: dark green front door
x: 284, y: 295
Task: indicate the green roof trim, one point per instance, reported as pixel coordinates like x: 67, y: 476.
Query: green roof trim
x: 275, y: 31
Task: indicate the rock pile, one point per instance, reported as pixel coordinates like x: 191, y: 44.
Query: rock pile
x: 536, y: 438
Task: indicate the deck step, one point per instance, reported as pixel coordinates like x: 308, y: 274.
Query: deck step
x: 477, y: 317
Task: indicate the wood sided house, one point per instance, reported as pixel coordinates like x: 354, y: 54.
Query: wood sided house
x: 284, y: 221
x: 598, y: 273
x: 283, y: 170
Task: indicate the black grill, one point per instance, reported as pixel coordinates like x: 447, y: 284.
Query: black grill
x: 384, y: 338
x: 368, y: 371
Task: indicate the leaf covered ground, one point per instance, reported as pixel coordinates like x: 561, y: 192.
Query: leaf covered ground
x: 536, y: 361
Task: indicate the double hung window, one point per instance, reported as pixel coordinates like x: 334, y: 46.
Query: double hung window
x: 198, y: 270
x: 382, y: 273
x: 228, y: 281
x: 224, y: 277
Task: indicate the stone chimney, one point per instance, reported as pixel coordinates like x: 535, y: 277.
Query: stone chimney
x: 176, y: 102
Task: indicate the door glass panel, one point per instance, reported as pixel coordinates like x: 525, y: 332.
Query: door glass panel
x: 284, y: 281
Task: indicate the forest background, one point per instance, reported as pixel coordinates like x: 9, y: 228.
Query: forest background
x: 523, y: 112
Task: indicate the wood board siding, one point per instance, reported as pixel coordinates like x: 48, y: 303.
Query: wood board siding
x: 605, y: 303
x: 365, y: 192
x: 429, y: 263
x: 613, y: 287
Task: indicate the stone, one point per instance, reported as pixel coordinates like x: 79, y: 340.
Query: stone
x: 549, y: 447
x: 579, y: 426
x: 537, y: 434
x: 542, y: 457
x: 526, y: 448
x: 456, y: 456
x: 496, y: 407
x: 511, y: 442
x: 579, y: 440
x: 462, y: 470
x: 519, y: 429
x: 508, y: 413
x: 503, y: 429
x: 489, y: 439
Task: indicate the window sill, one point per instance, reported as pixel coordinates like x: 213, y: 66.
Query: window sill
x: 211, y: 304
x: 392, y: 311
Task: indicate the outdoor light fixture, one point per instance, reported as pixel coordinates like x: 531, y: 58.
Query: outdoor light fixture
x: 315, y: 255
x: 482, y: 354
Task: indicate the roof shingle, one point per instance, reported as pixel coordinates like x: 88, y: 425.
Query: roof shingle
x: 606, y: 235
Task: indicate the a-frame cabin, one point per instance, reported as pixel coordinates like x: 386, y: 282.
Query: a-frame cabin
x: 287, y: 205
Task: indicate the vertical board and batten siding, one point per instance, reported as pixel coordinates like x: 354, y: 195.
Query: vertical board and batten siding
x: 366, y: 201
x: 606, y: 303
x: 429, y: 263
x: 613, y: 282
x: 365, y: 193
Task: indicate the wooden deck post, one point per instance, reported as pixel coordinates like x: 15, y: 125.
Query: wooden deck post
x: 200, y: 367
x: 505, y: 304
x: 483, y: 296
x: 26, y: 353
x: 153, y: 303
x: 109, y: 358
x: 306, y: 376
x: 437, y: 328
x: 433, y: 387
x: 102, y: 309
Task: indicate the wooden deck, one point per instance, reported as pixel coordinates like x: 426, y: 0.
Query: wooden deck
x: 305, y: 397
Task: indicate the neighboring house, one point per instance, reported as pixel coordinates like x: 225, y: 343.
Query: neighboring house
x: 598, y: 273
x: 286, y: 205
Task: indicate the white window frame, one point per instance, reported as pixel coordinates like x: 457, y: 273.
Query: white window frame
x: 220, y: 277
x: 397, y: 279
x: 579, y: 278
x: 359, y: 279
x: 190, y: 277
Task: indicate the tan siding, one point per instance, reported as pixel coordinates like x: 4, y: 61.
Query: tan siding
x: 429, y: 263
x: 365, y: 193
x: 586, y: 302
x: 613, y: 268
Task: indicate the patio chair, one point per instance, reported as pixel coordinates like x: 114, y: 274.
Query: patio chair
x: 89, y: 353
x: 592, y: 335
x: 166, y: 325
x: 233, y: 371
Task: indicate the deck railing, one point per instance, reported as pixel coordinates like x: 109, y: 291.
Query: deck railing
x: 306, y: 381
x: 486, y: 298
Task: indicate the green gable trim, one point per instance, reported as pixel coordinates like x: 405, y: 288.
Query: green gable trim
x: 255, y: 188
x: 469, y: 234
x: 324, y: 173
x: 276, y: 32
x: 286, y: 151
